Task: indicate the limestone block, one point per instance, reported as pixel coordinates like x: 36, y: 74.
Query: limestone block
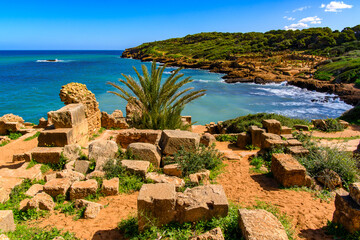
x: 136, y: 167
x: 162, y: 178
x: 256, y: 133
x: 298, y: 151
x: 46, y: 154
x: 101, y: 151
x: 213, y: 234
x: 91, y: 209
x: 354, y: 189
x: 57, y: 186
x: 22, y: 157
x: 347, y: 211
x: 294, y: 142
x: 82, y: 189
x: 110, y: 187
x: 286, y: 130
x: 207, y: 139
x: 82, y: 166
x: 147, y: 152
x: 7, y: 221
x: 173, y: 170
x: 128, y: 136
x: 172, y: 140
x: 301, y: 127
x: 56, y: 137
x: 68, y: 116
x: 72, y: 152
x: 202, y: 176
x: 272, y: 126
x: 243, y: 140
x: 34, y: 189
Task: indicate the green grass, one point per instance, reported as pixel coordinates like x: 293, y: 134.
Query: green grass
x: 14, y: 135
x: 24, y: 232
x: 323, y: 195
x: 32, y: 137
x: 68, y: 207
x: 226, y: 138
x: 4, y: 143
x: 339, y: 232
x: 345, y: 139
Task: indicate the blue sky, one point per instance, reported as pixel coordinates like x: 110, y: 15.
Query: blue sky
x: 115, y: 25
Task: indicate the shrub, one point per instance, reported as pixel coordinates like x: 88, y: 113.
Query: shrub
x: 192, y: 161
x: 241, y: 124
x: 14, y: 135
x: 322, y: 75
x: 226, y: 138
x: 257, y: 162
x: 352, y: 116
x: 357, y: 83
x: 331, y: 125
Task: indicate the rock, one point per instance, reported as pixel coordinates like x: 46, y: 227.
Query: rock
x: 260, y: 224
x: 207, y: 139
x: 298, y: 151
x: 243, y: 140
x: 272, y: 126
x: 49, y: 177
x: 11, y: 118
x: 329, y: 179
x: 110, y: 187
x: 287, y: 136
x: 34, y: 189
x: 136, y: 167
x: 202, y: 176
x: 58, y: 186
x: 56, y: 137
x: 134, y: 108
x: 293, y: 142
x: 4, y: 139
x: 301, y: 127
x: 230, y: 155
x: 82, y: 166
x: 101, y: 151
x: 78, y: 93
x: 82, y: 189
x: 70, y: 166
x: 91, y: 209
x: 287, y: 170
x: 156, y: 205
x: 4, y: 237
x: 162, y: 178
x: 68, y: 116
x: 319, y: 123
x: 354, y: 189
x: 201, y: 203
x: 286, y: 130
x: 113, y: 121
x: 271, y: 140
x: 73, y: 176
x: 46, y: 154
x: 128, y: 136
x: 41, y: 201
x: 214, y: 234
x: 72, y: 152
x: 347, y: 211
x: 186, y: 119
x: 7, y: 127
x: 95, y: 174
x: 172, y: 140
x: 256, y: 133
x: 7, y: 223
x: 147, y: 152
x: 173, y: 170
x: 344, y: 124
x: 22, y: 157
x: 43, y: 123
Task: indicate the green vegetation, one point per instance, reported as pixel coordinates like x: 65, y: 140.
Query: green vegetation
x: 331, y: 125
x: 340, y: 232
x: 161, y: 103
x: 47, y: 166
x: 241, y: 124
x: 68, y: 207
x: 14, y: 135
x: 352, y: 116
x: 226, y: 138
x: 32, y: 137
x: 24, y: 232
x: 345, y: 139
x: 323, y: 195
x: 4, y: 143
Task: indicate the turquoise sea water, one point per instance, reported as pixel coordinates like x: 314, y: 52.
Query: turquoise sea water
x: 30, y: 88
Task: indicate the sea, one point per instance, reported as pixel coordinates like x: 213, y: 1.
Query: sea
x: 30, y: 87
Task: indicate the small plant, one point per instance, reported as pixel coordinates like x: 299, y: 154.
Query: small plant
x: 83, y: 156
x: 340, y: 232
x: 257, y: 162
x: 37, y: 134
x: 14, y: 135
x: 226, y: 138
x: 24, y: 232
x: 4, y: 143
x: 331, y: 125
x: 251, y: 147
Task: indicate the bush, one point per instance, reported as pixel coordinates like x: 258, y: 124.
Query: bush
x: 357, y: 83
x: 331, y: 125
x: 226, y: 138
x: 323, y: 75
x: 241, y: 124
x: 192, y: 161
x: 14, y: 135
x: 352, y: 116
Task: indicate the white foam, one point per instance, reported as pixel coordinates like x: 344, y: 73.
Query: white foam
x: 57, y: 60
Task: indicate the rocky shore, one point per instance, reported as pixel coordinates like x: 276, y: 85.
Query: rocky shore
x: 296, y: 69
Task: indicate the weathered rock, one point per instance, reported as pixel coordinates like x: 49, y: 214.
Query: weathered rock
x: 156, y: 204
x: 82, y: 166
x: 319, y: 123
x: 82, y: 189
x: 207, y: 139
x: 49, y: 177
x: 287, y: 170
x: 136, y: 166
x: 7, y: 127
x: 56, y: 137
x: 298, y: 151
x: 329, y: 179
x: 72, y: 152
x: 91, y: 209
x: 186, y: 119
x: 95, y: 174
x: 354, y: 190
x: 57, y: 186
x: 301, y: 127
x: 68, y: 116
x: 202, y: 176
x: 272, y: 126
x: 344, y: 124
x: 34, y: 189
x: 43, y: 123
x: 201, y: 203
x: 243, y: 140
x: 134, y: 108
x: 173, y: 170
x: 126, y: 137
x: 347, y: 211
x: 78, y: 93
x: 70, y: 165
x: 4, y: 237
x: 214, y: 234
x: 270, y: 140
x: 286, y: 130
x: 11, y: 118
x: 4, y: 139
x: 162, y: 178
x: 22, y: 157
x: 256, y: 133
x: 147, y: 152
x: 110, y: 187
x: 101, y: 151
x: 113, y: 121
x: 230, y: 155
x: 46, y: 154
x: 7, y: 221
x: 259, y: 224
x: 41, y: 201
x: 287, y: 136
x: 172, y: 140
x: 293, y: 142
x: 73, y: 176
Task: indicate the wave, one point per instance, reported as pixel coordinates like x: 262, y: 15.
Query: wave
x: 51, y: 61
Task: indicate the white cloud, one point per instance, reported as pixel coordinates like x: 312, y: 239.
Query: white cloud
x: 296, y: 26
x: 335, y: 6
x: 289, y: 18
x: 311, y: 20
x: 301, y: 9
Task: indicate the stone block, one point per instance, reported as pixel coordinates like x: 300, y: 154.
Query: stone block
x: 82, y: 166
x: 230, y: 155
x: 201, y: 203
x: 41, y: 201
x: 347, y: 211
x: 12, y: 126
x: 7, y: 221
x: 72, y: 152
x: 256, y: 133
x: 172, y: 140
x: 156, y: 205
x: 34, y: 189
x: 287, y: 170
x: 301, y: 127
x: 91, y: 209
x: 344, y: 124
x: 136, y: 167
x: 270, y: 140
x: 202, y: 176
x: 22, y: 157
x: 329, y: 179
x: 207, y: 139
x: 49, y: 177
x: 73, y: 176
x: 162, y: 178
x: 298, y: 151
x: 186, y: 119
x: 113, y: 121
x: 57, y: 186
x: 147, y: 152
x: 213, y: 234
x: 82, y: 189
x: 259, y: 224
x: 68, y: 116
x: 95, y: 174
x: 286, y: 130
x: 173, y: 170
x: 110, y: 187
x: 128, y: 136
x: 46, y: 154
x: 354, y: 189
x: 293, y: 142
x: 287, y: 136
x: 243, y: 140
x: 56, y: 137
x: 272, y: 126
x: 101, y: 151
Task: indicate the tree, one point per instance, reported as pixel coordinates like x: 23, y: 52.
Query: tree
x: 162, y: 103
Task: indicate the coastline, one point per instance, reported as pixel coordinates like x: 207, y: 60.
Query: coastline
x: 253, y: 70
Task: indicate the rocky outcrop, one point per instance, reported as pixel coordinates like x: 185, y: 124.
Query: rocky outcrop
x: 113, y: 121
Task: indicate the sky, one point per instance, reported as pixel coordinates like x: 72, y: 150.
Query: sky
x: 117, y: 25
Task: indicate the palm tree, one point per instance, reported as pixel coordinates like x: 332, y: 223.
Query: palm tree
x: 162, y: 104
